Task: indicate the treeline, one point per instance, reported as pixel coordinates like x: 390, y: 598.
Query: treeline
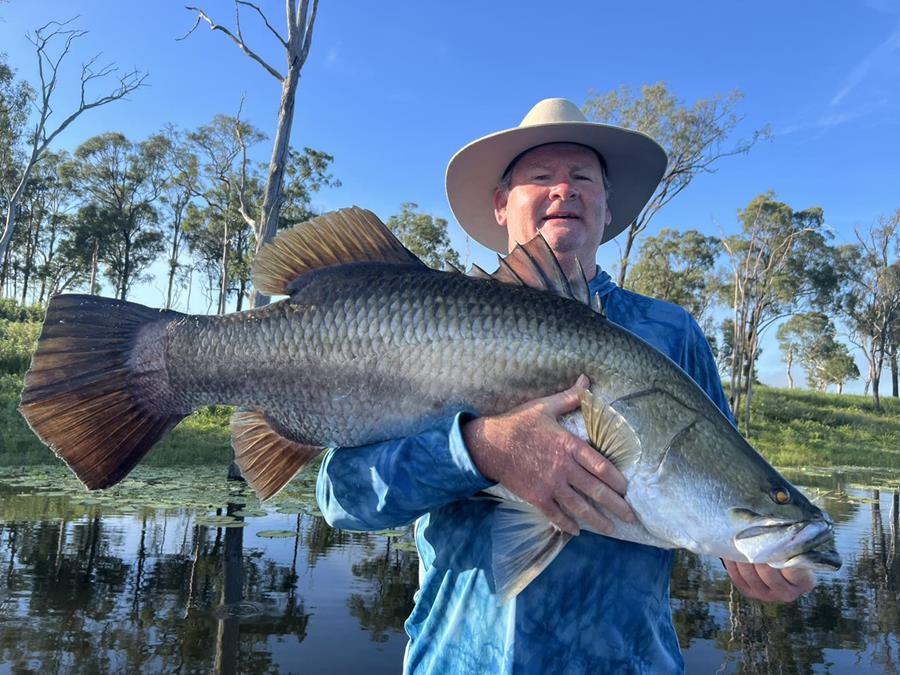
x: 783, y: 267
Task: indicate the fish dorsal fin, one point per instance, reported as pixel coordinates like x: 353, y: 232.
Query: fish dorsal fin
x: 451, y: 268
x: 478, y: 273
x: 337, y: 238
x: 266, y: 458
x: 609, y: 431
x: 597, y: 305
x: 534, y: 264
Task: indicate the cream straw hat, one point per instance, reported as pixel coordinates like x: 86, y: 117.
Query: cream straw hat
x: 635, y: 163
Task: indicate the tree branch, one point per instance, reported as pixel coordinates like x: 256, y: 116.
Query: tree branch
x: 235, y: 38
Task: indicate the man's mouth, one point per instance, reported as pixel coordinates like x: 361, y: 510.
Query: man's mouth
x: 562, y: 215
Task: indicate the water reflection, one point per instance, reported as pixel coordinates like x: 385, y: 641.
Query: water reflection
x: 212, y: 583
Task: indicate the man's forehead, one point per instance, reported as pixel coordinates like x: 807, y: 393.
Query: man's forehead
x: 553, y: 153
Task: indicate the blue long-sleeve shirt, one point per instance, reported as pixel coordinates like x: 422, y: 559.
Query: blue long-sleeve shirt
x: 601, y: 606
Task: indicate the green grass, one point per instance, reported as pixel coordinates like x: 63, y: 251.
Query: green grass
x: 805, y: 428
x: 790, y: 427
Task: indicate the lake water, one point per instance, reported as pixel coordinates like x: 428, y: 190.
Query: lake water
x: 182, y: 571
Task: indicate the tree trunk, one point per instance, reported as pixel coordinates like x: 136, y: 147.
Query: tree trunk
x: 629, y: 244
x: 790, y: 361
x: 271, y: 205
x: 223, y: 288
x: 894, y: 392
x: 95, y: 261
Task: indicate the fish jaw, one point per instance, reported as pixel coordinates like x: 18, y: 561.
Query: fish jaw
x: 788, y: 543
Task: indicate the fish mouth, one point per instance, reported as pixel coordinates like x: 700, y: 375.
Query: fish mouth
x: 799, y: 543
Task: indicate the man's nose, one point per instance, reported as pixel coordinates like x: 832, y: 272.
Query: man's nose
x: 563, y: 190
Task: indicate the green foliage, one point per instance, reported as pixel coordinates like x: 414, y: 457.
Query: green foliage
x: 805, y: 428
x: 10, y: 310
x: 695, y: 137
x: 424, y: 235
x: 18, y: 341
x: 677, y: 267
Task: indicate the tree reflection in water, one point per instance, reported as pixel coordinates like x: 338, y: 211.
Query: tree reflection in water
x: 154, y: 591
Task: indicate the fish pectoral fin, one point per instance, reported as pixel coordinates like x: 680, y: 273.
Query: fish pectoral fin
x: 609, y: 431
x: 524, y: 542
x: 347, y: 236
x: 266, y: 458
x: 534, y: 264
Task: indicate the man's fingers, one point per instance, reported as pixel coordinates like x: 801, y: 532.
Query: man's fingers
x: 550, y: 508
x: 762, y: 582
x: 566, y: 401
x: 601, y: 467
x: 600, y: 493
x: 575, y: 505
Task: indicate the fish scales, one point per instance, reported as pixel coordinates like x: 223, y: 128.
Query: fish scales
x: 424, y: 343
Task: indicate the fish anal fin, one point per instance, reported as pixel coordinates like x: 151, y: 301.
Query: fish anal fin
x: 524, y: 543
x: 609, y: 431
x: 337, y: 238
x: 267, y: 459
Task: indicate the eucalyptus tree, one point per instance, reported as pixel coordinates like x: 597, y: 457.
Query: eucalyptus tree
x: 300, y: 19
x: 695, y: 137
x: 424, y: 235
x: 871, y: 302
x: 678, y: 267
x: 52, y: 43
x: 182, y: 186
x: 124, y: 180
x: 781, y: 264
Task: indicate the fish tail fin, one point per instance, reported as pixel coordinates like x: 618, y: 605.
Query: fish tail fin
x: 96, y: 392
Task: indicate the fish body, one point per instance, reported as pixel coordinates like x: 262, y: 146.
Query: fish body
x: 372, y: 345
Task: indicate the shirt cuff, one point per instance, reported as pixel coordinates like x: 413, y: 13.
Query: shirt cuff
x: 460, y: 456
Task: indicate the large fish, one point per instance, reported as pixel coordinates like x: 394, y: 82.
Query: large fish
x: 372, y: 345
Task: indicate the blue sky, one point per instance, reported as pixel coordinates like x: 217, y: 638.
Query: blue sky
x: 392, y: 90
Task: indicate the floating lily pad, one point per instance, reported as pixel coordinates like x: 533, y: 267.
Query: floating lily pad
x: 215, y: 521
x: 276, y: 534
x: 250, y: 513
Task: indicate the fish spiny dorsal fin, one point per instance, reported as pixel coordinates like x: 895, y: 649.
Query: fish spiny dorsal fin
x: 609, y: 431
x: 478, y: 273
x: 506, y: 274
x: 450, y: 267
x: 579, y: 283
x: 597, y: 305
x: 337, y: 238
x: 534, y: 264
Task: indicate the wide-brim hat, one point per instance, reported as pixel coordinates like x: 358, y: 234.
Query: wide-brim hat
x: 634, y: 162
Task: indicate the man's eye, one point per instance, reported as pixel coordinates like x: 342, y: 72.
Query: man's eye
x: 583, y: 177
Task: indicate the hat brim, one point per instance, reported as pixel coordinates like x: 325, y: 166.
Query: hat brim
x: 635, y: 164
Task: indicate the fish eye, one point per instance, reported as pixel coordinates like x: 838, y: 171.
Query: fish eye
x: 781, y: 496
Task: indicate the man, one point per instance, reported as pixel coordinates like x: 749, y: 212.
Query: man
x: 602, y: 604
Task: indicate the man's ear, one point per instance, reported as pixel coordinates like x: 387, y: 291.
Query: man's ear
x: 500, y: 198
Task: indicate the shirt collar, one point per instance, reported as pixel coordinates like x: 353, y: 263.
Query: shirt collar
x: 602, y: 284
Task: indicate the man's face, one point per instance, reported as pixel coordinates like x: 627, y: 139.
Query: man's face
x: 557, y: 190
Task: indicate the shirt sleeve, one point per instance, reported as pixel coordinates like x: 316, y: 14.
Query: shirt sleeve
x: 391, y: 484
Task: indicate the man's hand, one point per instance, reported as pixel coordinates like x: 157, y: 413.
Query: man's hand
x: 761, y: 582
x: 535, y: 458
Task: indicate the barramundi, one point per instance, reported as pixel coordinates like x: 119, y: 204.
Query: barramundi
x: 371, y: 344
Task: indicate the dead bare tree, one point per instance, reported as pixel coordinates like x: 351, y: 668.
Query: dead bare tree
x: 300, y: 21
x: 44, y: 40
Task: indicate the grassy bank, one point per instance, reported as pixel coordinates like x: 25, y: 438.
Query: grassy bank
x: 790, y: 427
x: 202, y: 438
x: 805, y: 428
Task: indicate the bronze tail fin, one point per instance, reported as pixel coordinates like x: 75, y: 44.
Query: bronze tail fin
x: 95, y: 402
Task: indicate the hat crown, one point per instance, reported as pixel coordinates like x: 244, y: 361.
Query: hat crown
x: 552, y: 110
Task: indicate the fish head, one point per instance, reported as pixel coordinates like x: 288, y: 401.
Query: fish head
x: 712, y: 493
